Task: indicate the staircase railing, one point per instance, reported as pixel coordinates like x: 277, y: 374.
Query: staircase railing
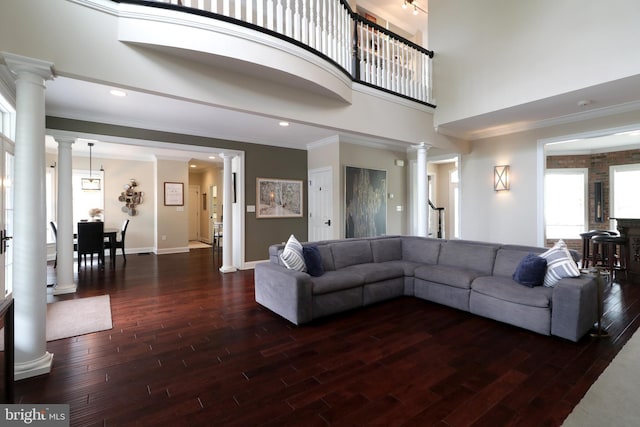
x: 439, y: 212
x: 368, y: 53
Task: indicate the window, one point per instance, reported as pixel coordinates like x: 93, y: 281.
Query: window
x: 50, y: 202
x: 7, y: 118
x: 565, y: 203
x: 624, y: 186
x: 84, y: 200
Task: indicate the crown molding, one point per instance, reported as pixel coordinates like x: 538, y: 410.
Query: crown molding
x: 524, y: 126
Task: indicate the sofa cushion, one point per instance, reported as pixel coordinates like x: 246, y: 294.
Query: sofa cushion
x: 386, y: 250
x: 506, y: 289
x: 327, y: 257
x: 508, y: 258
x: 332, y: 281
x: 292, y: 255
x: 374, y: 272
x: 531, y: 271
x: 471, y: 256
x: 407, y: 266
x: 452, y: 276
x: 560, y: 264
x: 420, y: 249
x: 313, y: 260
x: 351, y: 252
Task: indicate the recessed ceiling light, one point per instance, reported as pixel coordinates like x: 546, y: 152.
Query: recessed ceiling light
x: 192, y: 166
x: 284, y: 124
x: 118, y: 92
x: 212, y: 157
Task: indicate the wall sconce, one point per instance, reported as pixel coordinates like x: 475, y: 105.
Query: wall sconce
x: 501, y: 178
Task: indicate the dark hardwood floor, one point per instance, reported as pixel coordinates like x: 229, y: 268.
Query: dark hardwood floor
x: 190, y: 346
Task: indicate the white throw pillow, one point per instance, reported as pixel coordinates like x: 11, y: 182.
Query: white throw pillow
x: 292, y: 256
x: 560, y: 264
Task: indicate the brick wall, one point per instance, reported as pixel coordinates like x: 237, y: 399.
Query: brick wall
x: 598, y: 165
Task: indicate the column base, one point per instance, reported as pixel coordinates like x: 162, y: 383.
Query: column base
x: 228, y: 269
x: 33, y: 368
x: 64, y: 289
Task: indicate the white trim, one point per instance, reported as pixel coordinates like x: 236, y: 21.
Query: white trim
x: 250, y: 265
x: 32, y: 368
x: 176, y: 250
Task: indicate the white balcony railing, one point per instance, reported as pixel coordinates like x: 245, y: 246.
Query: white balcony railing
x: 367, y: 52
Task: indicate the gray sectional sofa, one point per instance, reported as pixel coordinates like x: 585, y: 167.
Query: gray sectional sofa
x: 467, y: 275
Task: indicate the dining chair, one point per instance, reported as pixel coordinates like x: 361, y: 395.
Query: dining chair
x: 120, y: 243
x: 54, y: 229
x: 90, y: 242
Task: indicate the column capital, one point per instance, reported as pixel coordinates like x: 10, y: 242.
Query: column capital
x: 421, y: 146
x: 18, y: 64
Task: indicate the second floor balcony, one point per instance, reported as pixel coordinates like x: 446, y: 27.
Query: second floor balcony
x: 363, y: 51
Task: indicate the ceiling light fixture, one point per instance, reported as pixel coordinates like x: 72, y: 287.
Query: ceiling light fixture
x: 90, y: 183
x: 284, y: 124
x: 416, y: 8
x: 117, y: 92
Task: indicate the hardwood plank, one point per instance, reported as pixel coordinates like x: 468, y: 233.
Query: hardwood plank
x: 197, y: 350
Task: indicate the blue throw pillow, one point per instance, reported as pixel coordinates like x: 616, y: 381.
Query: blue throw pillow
x: 531, y: 270
x: 313, y: 260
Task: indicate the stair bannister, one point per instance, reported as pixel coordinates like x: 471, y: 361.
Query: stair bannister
x: 368, y: 53
x: 440, y: 213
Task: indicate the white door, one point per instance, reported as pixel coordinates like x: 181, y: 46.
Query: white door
x: 6, y: 219
x: 321, y: 222
x: 194, y: 212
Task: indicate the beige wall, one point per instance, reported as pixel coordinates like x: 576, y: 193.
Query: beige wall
x: 172, y: 231
x: 373, y: 158
x: 117, y: 173
x: 514, y: 216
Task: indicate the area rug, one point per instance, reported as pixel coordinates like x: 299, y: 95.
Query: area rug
x: 75, y: 317
x: 614, y: 399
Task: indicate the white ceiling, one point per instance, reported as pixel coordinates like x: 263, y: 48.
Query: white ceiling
x: 82, y: 100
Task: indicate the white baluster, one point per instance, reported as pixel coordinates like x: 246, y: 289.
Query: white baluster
x: 312, y: 24
x: 329, y: 52
x: 186, y: 3
x: 361, y: 52
x: 319, y: 26
x: 288, y: 20
x: 279, y: 18
x: 238, y: 9
x: 296, y: 21
x: 324, y: 27
x: 214, y: 6
x: 304, y: 24
x: 225, y: 7
x: 260, y: 13
x: 201, y: 4
x: 270, y: 14
x: 249, y: 11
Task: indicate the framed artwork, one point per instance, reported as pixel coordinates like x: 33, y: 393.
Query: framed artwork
x: 278, y: 198
x: 365, y: 202
x: 174, y: 194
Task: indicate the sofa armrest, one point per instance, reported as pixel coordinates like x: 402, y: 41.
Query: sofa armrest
x: 574, y: 307
x: 283, y: 291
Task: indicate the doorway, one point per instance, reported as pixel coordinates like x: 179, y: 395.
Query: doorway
x: 321, y: 223
x: 194, y: 213
x: 6, y: 219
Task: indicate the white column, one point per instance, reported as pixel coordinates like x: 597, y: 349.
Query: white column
x: 29, y: 238
x: 64, y: 239
x: 422, y: 190
x: 227, y: 217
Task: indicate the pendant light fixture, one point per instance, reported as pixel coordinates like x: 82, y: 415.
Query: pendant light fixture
x: 90, y: 183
